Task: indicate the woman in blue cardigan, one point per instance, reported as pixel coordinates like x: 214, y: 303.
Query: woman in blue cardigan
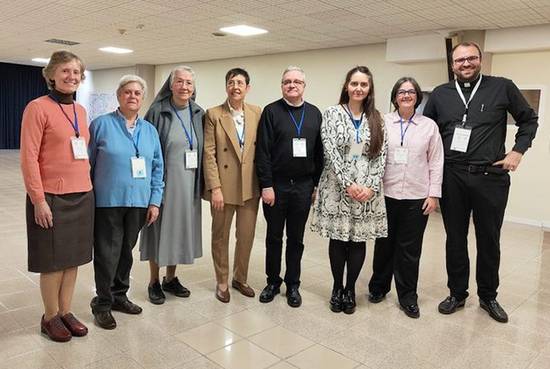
x: 127, y: 174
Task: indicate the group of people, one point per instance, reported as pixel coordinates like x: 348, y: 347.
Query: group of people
x: 366, y: 176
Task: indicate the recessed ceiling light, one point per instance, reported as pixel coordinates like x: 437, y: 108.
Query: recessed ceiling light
x: 41, y: 60
x: 243, y: 30
x: 115, y: 50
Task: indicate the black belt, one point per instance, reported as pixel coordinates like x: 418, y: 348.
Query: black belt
x: 474, y: 169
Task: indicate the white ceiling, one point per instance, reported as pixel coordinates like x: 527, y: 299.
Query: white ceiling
x: 169, y: 31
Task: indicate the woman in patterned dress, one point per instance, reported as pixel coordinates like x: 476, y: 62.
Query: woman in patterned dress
x: 350, y: 207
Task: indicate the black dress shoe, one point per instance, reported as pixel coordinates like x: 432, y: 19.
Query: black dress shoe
x: 450, y: 305
x: 269, y: 292
x: 156, y: 296
x: 126, y: 306
x: 376, y: 297
x: 104, y: 319
x: 348, y: 302
x: 293, y: 298
x: 412, y: 310
x: 175, y: 287
x: 494, y: 309
x: 336, y: 300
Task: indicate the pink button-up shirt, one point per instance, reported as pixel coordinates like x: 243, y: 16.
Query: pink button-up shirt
x: 422, y: 175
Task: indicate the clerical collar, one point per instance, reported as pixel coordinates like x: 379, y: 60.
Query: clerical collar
x: 469, y: 84
x: 294, y: 105
x: 61, y: 97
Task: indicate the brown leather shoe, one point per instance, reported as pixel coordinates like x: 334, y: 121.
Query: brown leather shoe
x: 55, y: 329
x: 74, y: 325
x: 223, y: 296
x: 243, y: 288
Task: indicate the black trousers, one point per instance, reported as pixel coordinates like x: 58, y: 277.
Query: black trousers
x: 398, y: 255
x: 484, y: 195
x: 115, y: 234
x: 292, y: 203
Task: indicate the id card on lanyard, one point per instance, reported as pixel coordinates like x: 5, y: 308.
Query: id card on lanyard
x: 191, y: 160
x: 356, y: 149
x: 299, y: 144
x: 401, y: 154
x: 462, y: 132
x: 139, y: 169
x: 78, y: 144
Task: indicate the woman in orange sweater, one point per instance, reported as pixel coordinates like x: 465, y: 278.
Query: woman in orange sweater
x: 60, y: 200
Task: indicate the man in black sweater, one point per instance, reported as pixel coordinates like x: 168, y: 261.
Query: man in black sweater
x: 471, y: 113
x: 289, y: 161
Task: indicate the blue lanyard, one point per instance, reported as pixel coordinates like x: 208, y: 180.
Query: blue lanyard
x: 189, y: 135
x: 75, y: 124
x: 240, y: 138
x: 405, y: 131
x: 298, y: 125
x: 136, y: 142
x: 356, y: 122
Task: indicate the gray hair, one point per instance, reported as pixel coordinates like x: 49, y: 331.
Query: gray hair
x: 61, y: 57
x: 129, y: 78
x: 181, y: 68
x: 292, y: 68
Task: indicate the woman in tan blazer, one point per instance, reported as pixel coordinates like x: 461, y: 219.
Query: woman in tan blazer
x: 231, y: 182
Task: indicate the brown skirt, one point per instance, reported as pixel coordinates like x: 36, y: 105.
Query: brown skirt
x: 69, y: 242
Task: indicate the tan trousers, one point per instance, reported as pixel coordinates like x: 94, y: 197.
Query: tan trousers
x: 245, y: 228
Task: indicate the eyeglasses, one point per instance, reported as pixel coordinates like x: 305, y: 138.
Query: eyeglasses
x: 469, y: 59
x: 296, y: 82
x: 237, y: 83
x: 406, y: 92
x: 181, y: 82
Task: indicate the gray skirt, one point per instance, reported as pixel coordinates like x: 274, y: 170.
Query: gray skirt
x: 69, y: 242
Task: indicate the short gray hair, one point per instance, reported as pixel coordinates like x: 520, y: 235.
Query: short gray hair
x: 129, y: 78
x: 292, y: 68
x: 181, y: 68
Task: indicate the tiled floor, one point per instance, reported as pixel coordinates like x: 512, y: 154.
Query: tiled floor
x: 201, y: 333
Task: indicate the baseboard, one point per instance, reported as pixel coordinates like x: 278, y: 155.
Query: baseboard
x: 532, y: 222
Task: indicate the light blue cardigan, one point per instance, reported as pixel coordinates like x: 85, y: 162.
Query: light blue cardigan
x: 111, y: 148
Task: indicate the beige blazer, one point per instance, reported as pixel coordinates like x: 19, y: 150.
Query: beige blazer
x: 224, y: 164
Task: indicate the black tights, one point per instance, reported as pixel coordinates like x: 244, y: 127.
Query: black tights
x: 342, y: 253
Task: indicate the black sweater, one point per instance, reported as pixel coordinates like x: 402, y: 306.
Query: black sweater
x: 487, y: 115
x: 276, y: 131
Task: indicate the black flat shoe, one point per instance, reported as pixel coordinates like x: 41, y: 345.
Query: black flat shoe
x: 104, y: 319
x: 412, y: 310
x: 175, y: 287
x: 348, y: 302
x: 335, y: 302
x: 126, y: 306
x: 450, y: 305
x: 495, y: 310
x: 156, y: 296
x: 293, y: 297
x: 376, y: 297
x: 269, y: 292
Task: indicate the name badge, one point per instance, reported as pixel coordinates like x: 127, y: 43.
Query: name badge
x: 138, y: 167
x: 80, y: 150
x: 356, y: 150
x: 191, y: 159
x: 299, y: 148
x: 461, y: 138
x: 401, y: 155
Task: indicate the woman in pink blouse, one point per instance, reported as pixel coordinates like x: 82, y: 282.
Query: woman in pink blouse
x: 412, y: 185
x: 60, y: 200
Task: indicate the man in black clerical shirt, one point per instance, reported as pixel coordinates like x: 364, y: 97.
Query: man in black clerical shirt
x: 471, y: 113
x: 289, y: 161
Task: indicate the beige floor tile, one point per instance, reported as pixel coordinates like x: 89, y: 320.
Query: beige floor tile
x: 165, y: 356
x: 16, y: 285
x: 541, y: 362
x: 117, y: 361
x: 243, y: 355
x: 200, y: 363
x: 247, y: 323
x: 80, y: 351
x: 32, y: 360
x: 320, y: 357
x: 21, y: 299
x: 282, y: 365
x: 281, y: 342
x: 18, y: 342
x: 208, y: 338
